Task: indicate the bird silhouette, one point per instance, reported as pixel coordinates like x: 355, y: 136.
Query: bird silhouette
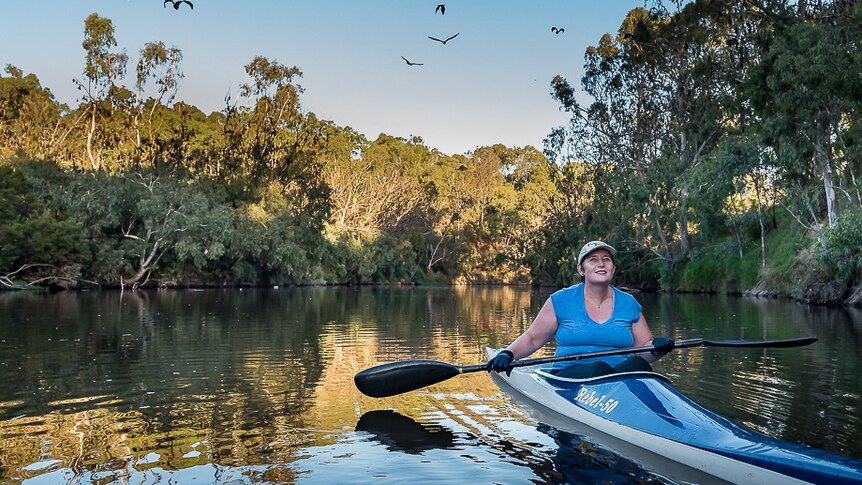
x: 412, y: 63
x: 557, y: 30
x: 177, y: 3
x: 440, y: 8
x: 444, y: 41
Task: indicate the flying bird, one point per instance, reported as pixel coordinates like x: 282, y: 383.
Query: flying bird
x: 177, y: 3
x: 444, y: 41
x: 412, y: 63
x: 440, y: 8
x: 557, y: 30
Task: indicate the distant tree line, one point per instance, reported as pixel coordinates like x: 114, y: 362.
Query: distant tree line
x: 717, y: 131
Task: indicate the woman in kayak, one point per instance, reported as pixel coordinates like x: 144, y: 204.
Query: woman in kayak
x: 589, y: 317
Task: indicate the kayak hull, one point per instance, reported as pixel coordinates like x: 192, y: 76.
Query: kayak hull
x: 650, y: 421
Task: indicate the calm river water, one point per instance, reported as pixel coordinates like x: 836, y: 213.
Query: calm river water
x: 230, y: 386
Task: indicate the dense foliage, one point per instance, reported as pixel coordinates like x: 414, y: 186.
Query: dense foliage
x: 713, y: 126
x: 714, y: 122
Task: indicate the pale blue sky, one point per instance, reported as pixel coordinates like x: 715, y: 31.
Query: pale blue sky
x: 489, y: 85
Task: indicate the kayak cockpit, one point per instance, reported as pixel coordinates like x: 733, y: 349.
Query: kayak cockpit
x: 549, y: 375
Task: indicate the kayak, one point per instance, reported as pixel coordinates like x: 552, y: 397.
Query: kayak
x: 642, y: 411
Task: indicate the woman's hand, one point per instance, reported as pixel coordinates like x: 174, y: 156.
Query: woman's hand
x: 662, y: 346
x: 502, y: 362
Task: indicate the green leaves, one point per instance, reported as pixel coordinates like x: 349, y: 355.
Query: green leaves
x: 30, y: 117
x: 700, y: 123
x: 32, y: 234
x: 102, y: 66
x: 845, y: 237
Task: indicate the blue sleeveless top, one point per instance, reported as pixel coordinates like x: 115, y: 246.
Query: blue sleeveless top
x: 578, y: 333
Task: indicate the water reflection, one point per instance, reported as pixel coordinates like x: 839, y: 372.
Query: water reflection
x: 256, y: 385
x: 581, y: 461
x: 543, y: 454
x: 400, y: 433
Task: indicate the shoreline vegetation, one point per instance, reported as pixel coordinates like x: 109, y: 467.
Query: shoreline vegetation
x: 721, y: 152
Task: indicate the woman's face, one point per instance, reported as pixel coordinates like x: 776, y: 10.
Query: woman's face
x: 598, y: 267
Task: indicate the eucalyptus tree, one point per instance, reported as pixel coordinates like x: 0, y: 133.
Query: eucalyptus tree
x: 489, y: 201
x: 519, y: 213
x: 344, y: 172
x: 185, y: 137
x: 446, y: 198
x: 686, y: 46
x: 461, y: 193
x: 535, y: 211
x: 734, y: 176
x: 745, y: 159
x: 375, y: 186
x: 36, y: 246
x: 138, y: 221
x: 659, y: 105
x: 32, y: 122
x: 268, y: 132
x: 103, y: 69
x: 160, y: 64
x: 483, y: 170
x: 806, y: 90
x: 117, y: 114
x: 618, y: 135
x: 735, y: 185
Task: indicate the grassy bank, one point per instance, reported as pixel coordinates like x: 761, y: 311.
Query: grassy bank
x: 796, y: 266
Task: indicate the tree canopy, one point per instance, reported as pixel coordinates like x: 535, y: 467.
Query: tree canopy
x: 705, y: 124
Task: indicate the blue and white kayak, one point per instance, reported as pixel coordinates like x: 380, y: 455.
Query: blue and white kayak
x: 644, y: 411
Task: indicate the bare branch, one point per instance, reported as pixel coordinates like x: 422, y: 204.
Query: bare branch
x: 60, y: 275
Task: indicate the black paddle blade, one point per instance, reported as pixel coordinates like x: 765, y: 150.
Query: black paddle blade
x: 790, y: 342
x: 398, y: 377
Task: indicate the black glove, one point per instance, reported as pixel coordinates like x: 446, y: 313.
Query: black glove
x: 662, y: 346
x: 502, y: 362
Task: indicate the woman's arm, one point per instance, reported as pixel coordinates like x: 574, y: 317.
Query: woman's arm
x: 541, y: 330
x: 641, y: 335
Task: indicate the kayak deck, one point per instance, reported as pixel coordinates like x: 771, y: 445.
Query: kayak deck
x: 644, y: 409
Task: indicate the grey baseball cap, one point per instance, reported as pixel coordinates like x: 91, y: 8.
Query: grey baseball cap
x: 592, y: 246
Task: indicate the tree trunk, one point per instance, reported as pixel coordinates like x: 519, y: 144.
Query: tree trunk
x: 94, y: 162
x: 736, y: 234
x: 684, y: 239
x: 658, y: 226
x: 760, y: 220
x: 823, y: 154
x: 432, y: 259
x: 668, y: 254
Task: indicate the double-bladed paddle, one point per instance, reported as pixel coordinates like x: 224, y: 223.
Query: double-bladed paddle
x: 398, y: 377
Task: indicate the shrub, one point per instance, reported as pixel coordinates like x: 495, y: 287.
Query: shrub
x: 845, y: 237
x: 32, y: 234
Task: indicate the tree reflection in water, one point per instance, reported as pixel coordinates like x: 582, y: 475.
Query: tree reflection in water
x: 256, y: 385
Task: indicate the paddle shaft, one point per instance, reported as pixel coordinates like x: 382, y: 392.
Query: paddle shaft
x: 695, y: 342
x: 398, y: 377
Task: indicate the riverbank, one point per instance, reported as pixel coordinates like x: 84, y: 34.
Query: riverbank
x: 793, y: 265
x: 812, y: 294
